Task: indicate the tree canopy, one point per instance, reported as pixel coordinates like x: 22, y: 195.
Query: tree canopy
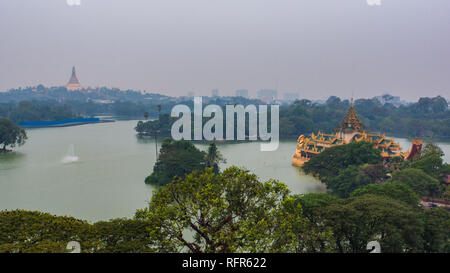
x: 334, y: 159
x: 419, y: 182
x: 227, y: 212
x: 176, y: 158
x: 11, y: 134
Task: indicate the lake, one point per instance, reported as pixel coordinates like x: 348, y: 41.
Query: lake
x: 107, y: 179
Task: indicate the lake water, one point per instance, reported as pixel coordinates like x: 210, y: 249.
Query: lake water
x: 97, y: 171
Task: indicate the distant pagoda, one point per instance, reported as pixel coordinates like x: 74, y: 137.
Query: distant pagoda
x: 351, y: 129
x: 73, y: 84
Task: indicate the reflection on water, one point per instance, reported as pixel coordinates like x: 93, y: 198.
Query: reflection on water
x: 109, y: 180
x: 11, y: 160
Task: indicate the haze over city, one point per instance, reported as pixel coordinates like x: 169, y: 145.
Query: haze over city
x: 316, y: 48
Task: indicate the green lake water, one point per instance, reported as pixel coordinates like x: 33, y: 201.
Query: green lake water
x: 107, y: 181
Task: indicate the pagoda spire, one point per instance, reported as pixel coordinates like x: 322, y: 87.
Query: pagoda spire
x: 73, y: 84
x: 351, y: 121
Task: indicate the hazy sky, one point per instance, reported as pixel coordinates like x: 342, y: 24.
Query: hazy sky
x: 314, y: 47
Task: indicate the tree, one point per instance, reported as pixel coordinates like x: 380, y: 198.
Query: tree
x: 436, y: 230
x: 11, y: 134
x: 313, y: 207
x: 214, y: 157
x: 123, y: 236
x: 176, y: 158
x: 146, y: 115
x: 31, y: 231
x: 332, y: 160
x: 227, y: 212
x: 347, y: 181
x: 37, y: 232
x: 359, y: 220
x: 397, y: 191
x: 418, y: 181
x: 430, y: 161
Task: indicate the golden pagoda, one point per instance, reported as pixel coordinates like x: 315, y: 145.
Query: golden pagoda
x: 350, y: 129
x: 73, y: 84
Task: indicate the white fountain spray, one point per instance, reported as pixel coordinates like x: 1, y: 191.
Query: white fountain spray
x: 70, y: 157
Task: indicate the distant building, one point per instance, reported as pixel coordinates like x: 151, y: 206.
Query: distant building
x: 190, y: 94
x: 214, y: 93
x: 242, y: 93
x: 73, y: 84
x: 267, y: 95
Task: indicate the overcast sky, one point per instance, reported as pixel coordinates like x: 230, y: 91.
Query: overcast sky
x: 317, y: 48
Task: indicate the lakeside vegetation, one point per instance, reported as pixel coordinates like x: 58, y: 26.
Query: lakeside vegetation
x: 426, y: 118
x: 11, y: 135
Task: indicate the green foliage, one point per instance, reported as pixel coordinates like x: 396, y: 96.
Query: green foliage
x: 396, y: 191
x: 11, y: 134
x: 429, y: 117
x: 28, y: 231
x: 436, y: 230
x: 162, y: 125
x: 37, y: 232
x: 214, y: 157
x: 312, y: 202
x: 176, y: 158
x: 430, y: 161
x: 347, y: 181
x: 227, y: 212
x: 123, y: 236
x: 430, y: 148
x: 358, y: 220
x: 432, y: 165
x: 419, y: 182
x: 331, y: 161
x: 39, y: 111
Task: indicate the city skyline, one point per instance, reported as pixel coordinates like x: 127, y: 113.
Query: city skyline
x: 313, y: 48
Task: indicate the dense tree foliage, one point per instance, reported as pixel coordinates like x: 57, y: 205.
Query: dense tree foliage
x: 348, y: 180
x: 161, y: 126
x: 332, y: 160
x: 11, y: 134
x: 429, y: 117
x: 32, y: 231
x: 365, y: 218
x: 430, y: 161
x: 436, y: 231
x: 397, y: 191
x: 25, y: 231
x: 227, y: 212
x: 419, y: 182
x: 176, y: 158
x: 37, y: 111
